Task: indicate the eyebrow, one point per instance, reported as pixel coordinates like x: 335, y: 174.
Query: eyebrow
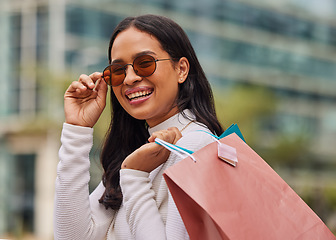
x: 147, y: 52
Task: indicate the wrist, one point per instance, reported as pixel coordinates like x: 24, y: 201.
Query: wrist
x: 133, y: 161
x: 78, y: 123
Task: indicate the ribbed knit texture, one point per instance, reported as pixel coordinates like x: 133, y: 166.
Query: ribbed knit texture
x: 148, y: 210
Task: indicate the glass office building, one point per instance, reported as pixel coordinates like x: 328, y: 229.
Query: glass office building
x: 287, y: 47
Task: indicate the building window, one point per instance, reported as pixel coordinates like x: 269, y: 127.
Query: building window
x: 22, y: 195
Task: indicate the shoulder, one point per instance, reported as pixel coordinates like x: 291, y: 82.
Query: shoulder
x: 194, y: 137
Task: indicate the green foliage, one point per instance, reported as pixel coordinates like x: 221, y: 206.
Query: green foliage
x: 329, y: 193
x: 289, y: 151
x: 53, y: 86
x: 244, y: 105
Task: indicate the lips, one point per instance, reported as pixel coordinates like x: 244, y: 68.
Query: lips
x: 138, y: 93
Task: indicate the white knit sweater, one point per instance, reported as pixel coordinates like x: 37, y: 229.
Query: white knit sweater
x: 148, y: 210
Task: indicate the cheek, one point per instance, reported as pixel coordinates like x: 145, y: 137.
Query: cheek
x: 168, y: 79
x: 169, y: 92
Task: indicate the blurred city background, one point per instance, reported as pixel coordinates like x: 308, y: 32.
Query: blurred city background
x: 271, y: 63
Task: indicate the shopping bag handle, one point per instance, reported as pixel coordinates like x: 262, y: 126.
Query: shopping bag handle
x: 180, y: 151
x: 232, y: 129
x: 224, y: 152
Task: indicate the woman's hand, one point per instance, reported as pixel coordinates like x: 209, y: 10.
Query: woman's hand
x: 85, y: 100
x: 151, y: 155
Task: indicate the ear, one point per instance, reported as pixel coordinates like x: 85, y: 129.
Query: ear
x: 182, y: 69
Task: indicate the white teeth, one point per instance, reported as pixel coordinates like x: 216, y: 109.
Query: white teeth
x: 138, y: 94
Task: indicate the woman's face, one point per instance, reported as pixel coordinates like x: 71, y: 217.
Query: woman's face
x: 150, y: 98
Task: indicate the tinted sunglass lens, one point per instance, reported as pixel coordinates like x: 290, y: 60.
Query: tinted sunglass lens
x: 114, y: 75
x: 118, y: 74
x: 144, y: 66
x: 107, y: 75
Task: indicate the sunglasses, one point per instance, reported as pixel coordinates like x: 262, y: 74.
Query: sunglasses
x: 143, y: 66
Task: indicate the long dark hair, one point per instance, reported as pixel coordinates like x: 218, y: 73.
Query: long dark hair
x: 126, y: 133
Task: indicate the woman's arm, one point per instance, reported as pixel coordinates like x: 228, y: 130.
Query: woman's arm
x: 146, y: 219
x: 76, y: 215
x: 142, y: 212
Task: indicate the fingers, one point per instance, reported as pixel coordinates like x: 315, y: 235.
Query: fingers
x: 89, y: 81
x: 101, y: 88
x: 96, y: 76
x: 150, y: 155
x: 171, y: 135
x: 85, y: 82
x: 177, y: 133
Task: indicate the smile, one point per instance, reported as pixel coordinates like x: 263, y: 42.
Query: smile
x: 139, y: 94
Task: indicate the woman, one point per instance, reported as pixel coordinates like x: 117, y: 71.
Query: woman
x: 158, y: 89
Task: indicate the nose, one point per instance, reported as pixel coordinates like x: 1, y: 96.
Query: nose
x: 130, y: 76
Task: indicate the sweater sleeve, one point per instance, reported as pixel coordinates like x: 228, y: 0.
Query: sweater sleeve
x: 142, y: 213
x: 76, y: 214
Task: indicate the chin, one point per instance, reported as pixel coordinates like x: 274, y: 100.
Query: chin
x: 141, y: 115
